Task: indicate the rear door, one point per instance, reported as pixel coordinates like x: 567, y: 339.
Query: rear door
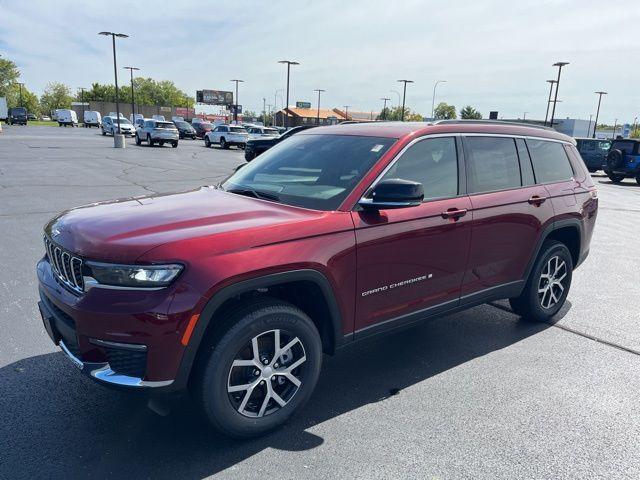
x: 411, y: 261
x: 509, y: 213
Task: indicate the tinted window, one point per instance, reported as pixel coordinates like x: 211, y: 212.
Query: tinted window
x: 526, y: 170
x: 492, y: 164
x: 312, y: 171
x: 626, y: 146
x: 165, y: 125
x: 433, y: 163
x: 550, y: 161
x: 148, y: 124
x: 239, y: 130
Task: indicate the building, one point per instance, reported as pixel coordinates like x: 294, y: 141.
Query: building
x: 574, y: 127
x: 307, y: 116
x: 358, y: 116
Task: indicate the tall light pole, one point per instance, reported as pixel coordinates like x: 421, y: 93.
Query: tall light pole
x: 235, y: 108
x: 589, y: 129
x: 615, y: 125
x: 346, y: 111
x: 319, y: 90
x: 524, y: 115
x: 598, y: 111
x: 82, y: 89
x: 133, y: 101
x: 433, y: 98
x: 21, y: 85
x: 635, y: 123
x: 275, y: 105
x: 404, y: 96
x: 269, y: 107
x: 553, y: 110
x: 286, y: 108
x: 384, y: 107
x: 546, y: 115
x: 264, y: 111
x: 115, y: 73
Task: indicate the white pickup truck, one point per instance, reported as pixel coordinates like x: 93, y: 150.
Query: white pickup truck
x: 226, y: 135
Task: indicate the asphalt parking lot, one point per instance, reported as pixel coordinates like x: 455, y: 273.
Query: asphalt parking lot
x: 478, y: 394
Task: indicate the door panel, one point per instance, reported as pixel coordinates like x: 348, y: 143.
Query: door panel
x: 409, y: 259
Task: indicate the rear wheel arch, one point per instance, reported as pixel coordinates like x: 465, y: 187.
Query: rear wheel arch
x: 568, y: 232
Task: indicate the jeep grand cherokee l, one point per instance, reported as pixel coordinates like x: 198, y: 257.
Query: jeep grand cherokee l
x: 234, y: 292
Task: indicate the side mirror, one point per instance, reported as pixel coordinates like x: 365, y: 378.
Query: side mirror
x: 394, y: 193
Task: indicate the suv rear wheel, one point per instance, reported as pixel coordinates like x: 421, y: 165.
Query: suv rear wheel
x: 255, y: 374
x: 548, y: 285
x: 223, y: 143
x: 207, y: 142
x: 615, y: 178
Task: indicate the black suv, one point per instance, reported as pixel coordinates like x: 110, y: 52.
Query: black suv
x: 594, y: 152
x: 17, y: 115
x: 256, y: 146
x: 623, y: 160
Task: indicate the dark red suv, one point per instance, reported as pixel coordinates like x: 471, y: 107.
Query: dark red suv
x: 337, y: 233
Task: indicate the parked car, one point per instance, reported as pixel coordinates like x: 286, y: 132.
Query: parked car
x: 158, y: 117
x: 67, y: 118
x: 623, y: 160
x: 255, y: 147
x: 155, y: 131
x: 202, y: 128
x: 336, y: 234
x: 31, y: 117
x: 594, y: 152
x: 4, y: 111
x: 45, y: 118
x: 17, y: 115
x: 139, y: 122
x: 110, y: 126
x: 226, y: 136
x: 262, y: 132
x: 185, y: 130
x: 92, y: 118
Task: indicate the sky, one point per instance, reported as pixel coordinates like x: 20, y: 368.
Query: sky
x: 493, y: 54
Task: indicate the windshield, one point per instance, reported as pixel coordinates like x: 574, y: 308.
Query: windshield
x: 311, y: 171
x: 271, y: 131
x: 165, y: 125
x: 123, y: 121
x: 237, y: 130
x: 18, y: 111
x: 205, y: 125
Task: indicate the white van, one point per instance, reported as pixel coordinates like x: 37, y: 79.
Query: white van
x: 4, y: 111
x: 67, y: 117
x: 160, y: 118
x: 92, y: 119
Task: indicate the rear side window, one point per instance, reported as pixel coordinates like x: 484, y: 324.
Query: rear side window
x: 550, y: 161
x: 525, y: 163
x: 626, y: 146
x: 492, y: 164
x: 433, y: 163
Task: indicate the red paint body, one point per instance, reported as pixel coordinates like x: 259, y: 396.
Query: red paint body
x: 223, y: 238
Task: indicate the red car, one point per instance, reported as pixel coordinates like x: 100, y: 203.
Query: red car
x: 234, y: 292
x: 202, y: 128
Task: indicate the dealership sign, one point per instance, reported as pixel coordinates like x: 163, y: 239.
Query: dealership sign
x: 214, y: 97
x: 303, y: 104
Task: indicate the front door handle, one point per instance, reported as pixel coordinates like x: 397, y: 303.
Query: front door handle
x: 537, y: 200
x: 454, y: 213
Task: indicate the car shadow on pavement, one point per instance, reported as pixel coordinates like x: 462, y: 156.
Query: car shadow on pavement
x: 58, y: 424
x: 631, y: 183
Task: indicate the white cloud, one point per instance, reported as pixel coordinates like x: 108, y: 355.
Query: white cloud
x: 494, y: 54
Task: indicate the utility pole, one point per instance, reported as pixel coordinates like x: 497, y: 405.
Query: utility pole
x: 115, y: 73
x: 286, y: 108
x: 235, y: 108
x: 269, y: 107
x: 384, y: 107
x: 615, y: 125
x: 553, y: 110
x: 546, y: 115
x: 404, y: 95
x: 133, y: 101
x: 82, y: 89
x: 21, y: 85
x: 319, y: 90
x: 597, y: 111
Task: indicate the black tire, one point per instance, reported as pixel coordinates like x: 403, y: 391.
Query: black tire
x: 638, y: 179
x: 214, y: 373
x: 249, y: 156
x: 162, y: 143
x: 149, y: 141
x: 207, y: 142
x: 104, y: 133
x: 138, y: 141
x: 530, y: 305
x: 615, y: 159
x: 223, y: 143
x: 174, y: 144
x: 615, y: 178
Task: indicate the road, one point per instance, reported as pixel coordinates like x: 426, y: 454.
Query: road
x: 478, y: 394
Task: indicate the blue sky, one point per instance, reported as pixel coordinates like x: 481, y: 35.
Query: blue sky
x: 494, y: 54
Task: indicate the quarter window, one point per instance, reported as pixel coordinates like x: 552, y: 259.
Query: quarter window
x: 550, y: 161
x: 492, y: 164
x: 433, y: 163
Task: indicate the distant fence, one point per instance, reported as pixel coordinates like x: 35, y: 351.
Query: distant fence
x: 125, y: 109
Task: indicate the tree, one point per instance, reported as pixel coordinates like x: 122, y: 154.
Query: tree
x: 147, y: 91
x: 9, y: 75
x: 470, y: 113
x: 250, y: 114
x: 56, y: 95
x: 444, y: 111
x: 395, y: 114
x: 29, y: 99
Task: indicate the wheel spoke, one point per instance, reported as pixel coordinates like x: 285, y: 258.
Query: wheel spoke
x: 278, y: 398
x: 560, y: 286
x: 239, y: 388
x: 542, y: 290
x: 559, y: 279
x: 245, y: 400
x: 265, y: 402
x: 245, y: 363
x: 293, y: 379
x: 296, y: 364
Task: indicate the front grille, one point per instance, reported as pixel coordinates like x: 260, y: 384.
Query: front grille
x: 125, y: 362
x: 65, y: 326
x: 67, y: 267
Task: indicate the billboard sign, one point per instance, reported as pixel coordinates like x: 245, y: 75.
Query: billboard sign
x: 303, y: 104
x: 214, y: 97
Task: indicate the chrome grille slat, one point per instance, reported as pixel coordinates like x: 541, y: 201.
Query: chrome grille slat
x: 66, y: 267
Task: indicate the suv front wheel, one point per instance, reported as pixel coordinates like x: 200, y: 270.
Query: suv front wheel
x: 548, y: 285
x: 258, y: 371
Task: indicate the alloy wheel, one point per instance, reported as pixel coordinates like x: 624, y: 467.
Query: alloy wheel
x: 551, y: 284
x: 265, y: 375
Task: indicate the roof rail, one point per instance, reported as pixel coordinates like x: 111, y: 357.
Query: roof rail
x: 492, y: 122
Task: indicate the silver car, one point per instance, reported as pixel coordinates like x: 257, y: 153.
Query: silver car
x: 156, y: 131
x: 110, y: 126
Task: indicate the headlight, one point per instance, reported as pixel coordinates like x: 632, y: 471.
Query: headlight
x: 133, y: 276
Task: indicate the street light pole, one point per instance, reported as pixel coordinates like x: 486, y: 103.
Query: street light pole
x: 553, y: 110
x: 286, y: 108
x: 21, y: 85
x: 433, y: 98
x: 589, y: 129
x: 384, y: 107
x: 269, y: 107
x: 524, y: 115
x: 319, y: 90
x: 404, y: 96
x: 115, y: 72
x: 598, y: 111
x: 264, y: 111
x: 235, y: 109
x: 133, y: 101
x: 82, y: 89
x: 546, y: 115
x: 346, y: 111
x: 615, y: 125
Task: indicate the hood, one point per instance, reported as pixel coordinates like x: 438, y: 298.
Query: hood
x: 123, y: 230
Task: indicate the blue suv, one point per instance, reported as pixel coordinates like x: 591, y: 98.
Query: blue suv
x: 623, y: 160
x: 594, y: 152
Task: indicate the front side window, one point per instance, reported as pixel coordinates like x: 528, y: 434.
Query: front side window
x: 311, y: 171
x: 239, y: 130
x: 433, y: 162
x: 492, y: 164
x: 550, y: 161
x: 604, y: 146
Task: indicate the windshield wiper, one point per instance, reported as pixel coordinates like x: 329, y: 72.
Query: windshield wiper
x: 250, y: 192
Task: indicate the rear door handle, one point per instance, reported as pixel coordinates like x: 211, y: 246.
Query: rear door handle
x: 537, y: 200
x: 454, y: 213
